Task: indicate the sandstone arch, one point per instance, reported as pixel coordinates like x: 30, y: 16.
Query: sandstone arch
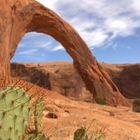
x: 22, y: 16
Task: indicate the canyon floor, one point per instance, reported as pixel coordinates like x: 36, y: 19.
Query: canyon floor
x: 118, y: 123
x: 62, y: 115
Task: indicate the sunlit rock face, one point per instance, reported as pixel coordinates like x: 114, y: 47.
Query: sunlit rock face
x: 22, y: 16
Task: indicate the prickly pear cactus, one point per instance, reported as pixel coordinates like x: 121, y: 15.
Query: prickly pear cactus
x: 39, y: 107
x: 15, y: 111
x: 37, y: 135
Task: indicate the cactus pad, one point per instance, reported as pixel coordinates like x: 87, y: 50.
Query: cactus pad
x: 37, y: 135
x: 15, y: 111
x: 39, y: 108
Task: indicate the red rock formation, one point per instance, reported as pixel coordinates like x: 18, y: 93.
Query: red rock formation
x: 61, y: 77
x: 22, y: 16
x: 55, y: 76
x: 126, y: 77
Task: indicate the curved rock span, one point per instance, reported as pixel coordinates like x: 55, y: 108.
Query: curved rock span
x: 18, y: 17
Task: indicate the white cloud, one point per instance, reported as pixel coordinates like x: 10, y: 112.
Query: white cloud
x: 119, y: 27
x: 36, y: 41
x: 136, y: 5
x: 99, y: 21
x: 48, y: 3
x: 57, y: 48
x: 94, y: 39
x: 117, y: 24
x: 28, y: 52
x: 44, y: 44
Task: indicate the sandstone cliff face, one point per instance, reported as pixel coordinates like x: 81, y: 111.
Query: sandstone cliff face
x: 22, y: 16
x: 62, y: 78
x: 126, y: 77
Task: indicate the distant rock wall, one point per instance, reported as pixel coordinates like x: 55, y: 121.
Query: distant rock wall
x: 62, y: 77
x: 59, y: 77
x: 126, y: 77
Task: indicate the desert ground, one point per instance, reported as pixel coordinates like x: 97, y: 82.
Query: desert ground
x: 64, y: 113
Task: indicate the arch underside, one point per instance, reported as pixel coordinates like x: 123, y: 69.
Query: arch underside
x: 35, y: 17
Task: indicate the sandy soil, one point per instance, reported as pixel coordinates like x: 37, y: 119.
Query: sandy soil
x: 119, y: 123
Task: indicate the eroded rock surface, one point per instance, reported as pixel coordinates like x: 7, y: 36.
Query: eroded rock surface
x: 60, y: 77
x: 63, y: 78
x: 126, y: 77
x: 21, y: 16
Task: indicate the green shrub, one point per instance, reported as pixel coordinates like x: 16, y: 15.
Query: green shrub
x: 136, y: 105
x: 100, y: 101
x: 99, y: 136
x: 82, y: 134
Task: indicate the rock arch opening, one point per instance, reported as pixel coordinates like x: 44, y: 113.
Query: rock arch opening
x: 38, y: 47
x: 41, y: 60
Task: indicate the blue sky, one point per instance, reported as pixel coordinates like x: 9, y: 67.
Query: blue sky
x: 111, y: 28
